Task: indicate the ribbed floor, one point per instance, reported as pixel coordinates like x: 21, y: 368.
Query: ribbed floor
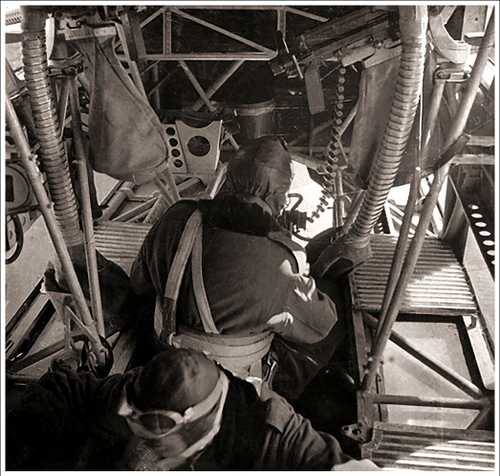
x: 430, y: 449
x: 120, y: 242
x: 438, y: 285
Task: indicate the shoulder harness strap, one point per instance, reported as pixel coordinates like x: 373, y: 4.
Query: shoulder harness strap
x: 200, y: 293
x: 190, y: 244
x: 164, y: 319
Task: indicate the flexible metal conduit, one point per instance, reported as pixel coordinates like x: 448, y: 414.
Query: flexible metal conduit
x: 52, y: 153
x: 413, y: 26
x: 13, y: 17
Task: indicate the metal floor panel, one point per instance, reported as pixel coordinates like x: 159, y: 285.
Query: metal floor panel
x: 120, y: 242
x: 438, y: 286
x: 430, y: 449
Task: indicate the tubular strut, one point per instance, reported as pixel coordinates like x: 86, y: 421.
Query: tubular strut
x: 455, y: 132
x: 56, y: 236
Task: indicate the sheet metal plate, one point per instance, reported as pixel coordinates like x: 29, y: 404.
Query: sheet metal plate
x: 120, y: 242
x: 430, y: 449
x: 439, y: 285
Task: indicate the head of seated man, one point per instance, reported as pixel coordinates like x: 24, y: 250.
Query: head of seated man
x: 260, y: 173
x: 174, y: 406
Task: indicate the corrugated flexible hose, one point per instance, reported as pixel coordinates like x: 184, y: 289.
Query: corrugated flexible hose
x: 413, y: 26
x: 13, y: 17
x: 52, y: 153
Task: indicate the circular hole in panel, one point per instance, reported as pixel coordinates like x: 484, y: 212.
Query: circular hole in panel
x: 488, y: 243
x: 178, y: 163
x: 473, y: 207
x: 485, y: 233
x: 476, y: 215
x: 480, y: 224
x: 198, y: 146
x: 176, y: 152
x: 491, y: 252
x: 174, y: 143
x: 171, y: 131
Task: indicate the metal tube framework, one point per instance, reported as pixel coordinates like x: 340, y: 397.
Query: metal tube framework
x: 260, y: 53
x: 218, y: 83
x: 62, y: 105
x: 444, y: 371
x: 56, y: 236
x: 428, y: 401
x: 431, y: 199
x: 196, y: 85
x: 86, y: 208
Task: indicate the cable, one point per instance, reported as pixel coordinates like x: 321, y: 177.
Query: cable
x: 19, y: 233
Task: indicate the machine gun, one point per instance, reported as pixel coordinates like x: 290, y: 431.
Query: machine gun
x: 369, y: 35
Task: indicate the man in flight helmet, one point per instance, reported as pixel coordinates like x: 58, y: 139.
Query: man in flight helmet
x: 180, y: 411
x: 245, y: 288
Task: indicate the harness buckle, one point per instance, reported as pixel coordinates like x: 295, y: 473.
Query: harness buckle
x: 270, y: 367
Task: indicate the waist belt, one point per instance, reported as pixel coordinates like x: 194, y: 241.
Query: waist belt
x: 232, y: 352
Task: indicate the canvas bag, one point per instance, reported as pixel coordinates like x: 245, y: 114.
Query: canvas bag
x: 127, y: 140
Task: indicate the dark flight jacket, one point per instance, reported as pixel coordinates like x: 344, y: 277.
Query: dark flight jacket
x: 255, y: 279
x: 69, y: 421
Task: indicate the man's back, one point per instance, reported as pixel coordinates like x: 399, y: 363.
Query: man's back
x: 252, y: 281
